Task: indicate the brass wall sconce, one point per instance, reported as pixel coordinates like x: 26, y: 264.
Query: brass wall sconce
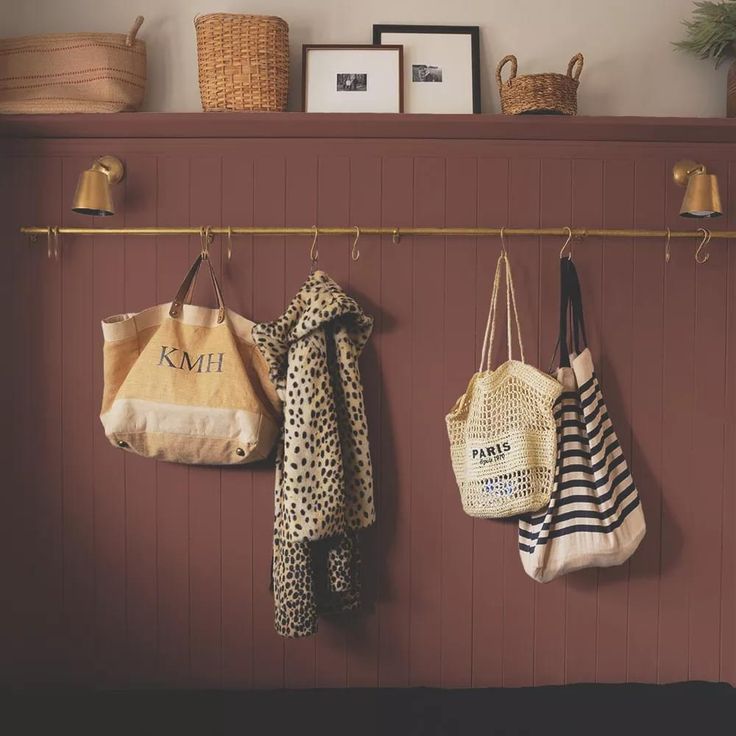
x: 702, y: 198
x: 94, y: 188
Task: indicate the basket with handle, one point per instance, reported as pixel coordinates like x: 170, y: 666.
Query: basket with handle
x: 540, y: 93
x: 502, y: 429
x: 243, y: 62
x: 73, y: 72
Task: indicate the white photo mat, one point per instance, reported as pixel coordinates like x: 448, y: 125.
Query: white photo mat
x: 444, y: 57
x: 352, y: 79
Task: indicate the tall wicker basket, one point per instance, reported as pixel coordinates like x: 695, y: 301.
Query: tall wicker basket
x: 243, y: 62
x: 540, y: 93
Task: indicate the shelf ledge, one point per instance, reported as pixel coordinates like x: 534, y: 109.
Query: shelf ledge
x: 362, y: 126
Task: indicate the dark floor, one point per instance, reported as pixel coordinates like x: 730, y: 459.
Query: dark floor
x: 687, y: 708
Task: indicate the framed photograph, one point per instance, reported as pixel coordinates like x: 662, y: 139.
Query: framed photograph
x: 441, y: 66
x: 352, y: 78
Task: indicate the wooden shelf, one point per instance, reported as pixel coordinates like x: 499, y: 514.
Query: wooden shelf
x: 318, y: 125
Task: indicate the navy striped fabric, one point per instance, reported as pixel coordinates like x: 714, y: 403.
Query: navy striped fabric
x: 594, y: 494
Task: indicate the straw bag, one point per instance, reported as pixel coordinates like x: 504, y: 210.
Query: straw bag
x: 73, y: 72
x: 502, y: 429
x: 540, y: 93
x: 243, y: 62
x: 594, y: 517
x: 187, y: 384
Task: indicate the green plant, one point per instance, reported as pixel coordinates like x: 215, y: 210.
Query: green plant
x: 711, y: 33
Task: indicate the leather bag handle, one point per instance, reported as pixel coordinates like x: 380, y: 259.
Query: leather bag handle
x: 184, y: 294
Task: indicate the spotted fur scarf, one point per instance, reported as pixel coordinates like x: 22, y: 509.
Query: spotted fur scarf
x: 324, y: 485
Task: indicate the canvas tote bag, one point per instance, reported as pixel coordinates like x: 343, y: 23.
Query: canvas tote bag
x: 187, y: 384
x: 502, y: 429
x: 594, y: 517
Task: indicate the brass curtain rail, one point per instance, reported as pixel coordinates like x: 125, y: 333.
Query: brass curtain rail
x: 395, y: 232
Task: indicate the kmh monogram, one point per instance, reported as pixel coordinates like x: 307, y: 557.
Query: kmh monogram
x: 177, y: 358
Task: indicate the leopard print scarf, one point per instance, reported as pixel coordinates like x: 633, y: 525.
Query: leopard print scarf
x: 324, y: 484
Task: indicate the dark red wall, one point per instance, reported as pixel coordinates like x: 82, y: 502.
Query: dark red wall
x: 120, y: 571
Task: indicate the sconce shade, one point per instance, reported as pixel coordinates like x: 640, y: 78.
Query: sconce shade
x: 94, y: 195
x: 702, y: 197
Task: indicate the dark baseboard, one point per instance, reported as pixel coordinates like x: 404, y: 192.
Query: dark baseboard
x: 696, y: 708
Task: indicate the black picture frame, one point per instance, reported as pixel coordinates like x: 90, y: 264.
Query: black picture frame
x: 473, y: 31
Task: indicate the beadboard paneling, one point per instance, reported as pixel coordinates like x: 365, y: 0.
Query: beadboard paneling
x: 126, y: 572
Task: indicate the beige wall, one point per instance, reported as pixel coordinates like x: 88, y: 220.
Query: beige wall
x: 630, y: 69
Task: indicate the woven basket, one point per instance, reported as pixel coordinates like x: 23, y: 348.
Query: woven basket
x: 243, y: 62
x: 73, y: 72
x: 540, y: 93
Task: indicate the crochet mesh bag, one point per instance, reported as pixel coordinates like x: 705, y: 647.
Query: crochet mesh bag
x: 502, y: 429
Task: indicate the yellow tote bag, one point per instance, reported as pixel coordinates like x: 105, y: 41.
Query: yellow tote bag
x: 187, y: 384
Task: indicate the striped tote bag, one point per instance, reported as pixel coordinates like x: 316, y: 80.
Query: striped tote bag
x: 594, y: 517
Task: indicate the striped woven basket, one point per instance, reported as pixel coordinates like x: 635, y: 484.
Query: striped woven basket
x: 540, y: 93
x: 243, y: 62
x: 73, y: 72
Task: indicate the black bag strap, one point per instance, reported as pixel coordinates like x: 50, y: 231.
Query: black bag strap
x: 579, y: 338
x: 572, y: 322
x: 562, y: 339
x: 562, y: 331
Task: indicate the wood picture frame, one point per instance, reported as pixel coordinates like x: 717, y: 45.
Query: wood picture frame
x: 354, y: 82
x: 470, y: 98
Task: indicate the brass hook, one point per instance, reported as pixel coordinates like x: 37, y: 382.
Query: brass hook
x: 229, y: 243
x: 205, y: 237
x: 57, y: 247
x: 396, y: 236
x: 354, y: 252
x: 705, y: 241
x: 667, y: 251
x: 314, y: 251
x: 567, y: 243
x: 503, y: 242
x: 49, y: 251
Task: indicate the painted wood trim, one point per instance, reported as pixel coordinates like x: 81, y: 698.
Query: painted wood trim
x: 403, y: 126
